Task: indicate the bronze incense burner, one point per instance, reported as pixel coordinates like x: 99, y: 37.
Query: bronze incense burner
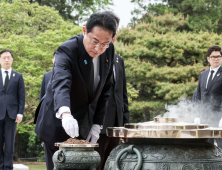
x: 76, y: 156
x: 165, y: 144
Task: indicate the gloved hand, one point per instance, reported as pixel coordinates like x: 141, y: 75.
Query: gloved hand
x: 197, y: 120
x: 123, y: 140
x: 70, y: 125
x: 94, y: 133
x: 220, y: 123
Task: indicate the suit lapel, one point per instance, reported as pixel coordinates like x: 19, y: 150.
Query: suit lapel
x: 205, y: 78
x: 12, y: 77
x: 1, y: 80
x: 84, y: 62
x: 85, y: 67
x: 217, y: 75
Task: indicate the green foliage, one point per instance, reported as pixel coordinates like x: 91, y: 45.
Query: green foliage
x: 75, y: 11
x: 25, y: 128
x: 27, y: 19
x: 162, y: 64
x: 202, y: 15
x: 132, y: 93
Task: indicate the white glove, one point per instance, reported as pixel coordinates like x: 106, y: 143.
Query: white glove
x: 70, y: 125
x: 220, y: 123
x: 197, y: 120
x: 94, y: 133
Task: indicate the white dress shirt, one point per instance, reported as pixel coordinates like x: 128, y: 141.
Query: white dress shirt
x: 4, y: 74
x: 3, y: 79
x: 96, y: 64
x: 215, y: 71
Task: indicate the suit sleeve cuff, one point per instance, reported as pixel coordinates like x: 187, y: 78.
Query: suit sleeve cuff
x: 61, y: 111
x: 20, y: 115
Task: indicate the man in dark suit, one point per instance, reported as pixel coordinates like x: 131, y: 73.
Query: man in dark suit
x: 45, y: 80
x: 76, y: 97
x: 209, y: 90
x: 12, y: 103
x: 117, y: 111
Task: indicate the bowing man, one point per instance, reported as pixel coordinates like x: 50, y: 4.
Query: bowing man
x: 76, y: 97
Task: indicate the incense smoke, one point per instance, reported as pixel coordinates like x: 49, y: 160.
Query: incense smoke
x: 187, y: 111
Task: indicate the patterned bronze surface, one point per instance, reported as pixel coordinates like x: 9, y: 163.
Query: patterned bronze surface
x: 76, y: 158
x: 200, y: 156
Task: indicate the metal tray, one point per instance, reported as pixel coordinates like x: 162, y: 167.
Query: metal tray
x: 76, y: 145
x: 161, y: 133
x: 154, y: 125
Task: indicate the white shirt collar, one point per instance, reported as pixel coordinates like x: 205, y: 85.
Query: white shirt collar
x: 9, y: 71
x: 215, y: 69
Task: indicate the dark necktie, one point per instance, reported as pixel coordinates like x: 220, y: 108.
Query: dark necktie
x: 210, y: 79
x: 92, y: 78
x: 6, y: 80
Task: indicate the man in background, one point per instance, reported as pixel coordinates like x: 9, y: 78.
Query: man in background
x: 209, y: 89
x: 117, y: 111
x: 12, y: 104
x: 45, y: 80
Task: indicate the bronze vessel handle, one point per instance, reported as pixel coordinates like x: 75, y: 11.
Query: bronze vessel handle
x: 61, y: 156
x: 130, y: 149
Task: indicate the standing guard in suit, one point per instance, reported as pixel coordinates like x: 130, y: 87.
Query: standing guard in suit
x: 209, y: 89
x: 117, y: 111
x: 45, y: 80
x: 76, y: 97
x: 12, y: 104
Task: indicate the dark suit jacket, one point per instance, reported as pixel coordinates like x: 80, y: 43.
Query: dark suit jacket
x: 213, y: 95
x: 117, y: 113
x: 45, y: 81
x: 13, y: 99
x: 70, y: 86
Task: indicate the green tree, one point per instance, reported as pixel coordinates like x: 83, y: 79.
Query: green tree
x: 161, y: 63
x: 202, y: 15
x: 75, y: 11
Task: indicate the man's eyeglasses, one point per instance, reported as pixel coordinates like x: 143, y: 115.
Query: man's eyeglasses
x: 99, y: 44
x: 4, y: 58
x: 216, y: 57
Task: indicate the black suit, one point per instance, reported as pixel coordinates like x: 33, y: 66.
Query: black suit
x: 211, y: 97
x: 12, y: 102
x: 45, y: 81
x: 70, y: 86
x: 117, y: 112
x: 118, y: 100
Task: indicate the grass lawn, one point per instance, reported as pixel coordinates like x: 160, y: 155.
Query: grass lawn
x: 33, y: 165
x: 36, y: 167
